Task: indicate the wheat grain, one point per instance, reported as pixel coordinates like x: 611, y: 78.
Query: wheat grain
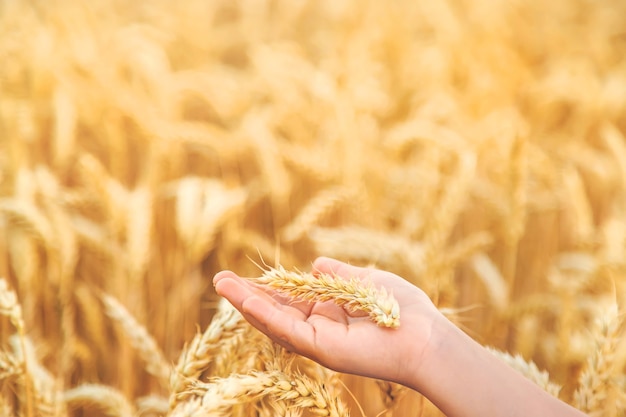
x: 352, y: 293
x: 273, y: 407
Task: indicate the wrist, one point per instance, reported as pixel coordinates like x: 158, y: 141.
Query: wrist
x: 428, y: 363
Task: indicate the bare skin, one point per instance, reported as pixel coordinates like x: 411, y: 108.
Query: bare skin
x: 426, y: 353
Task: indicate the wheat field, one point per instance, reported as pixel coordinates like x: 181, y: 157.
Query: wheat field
x: 476, y: 148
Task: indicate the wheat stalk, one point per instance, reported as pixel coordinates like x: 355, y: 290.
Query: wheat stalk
x: 139, y: 233
x: 221, y: 394
x: 352, y: 293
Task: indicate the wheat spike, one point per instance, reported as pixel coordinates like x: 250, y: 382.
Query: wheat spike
x: 227, y: 325
x: 65, y: 247
x: 239, y: 354
x: 323, y: 202
x: 370, y: 245
x: 316, y: 166
x: 141, y: 340
x: 10, y: 366
x: 144, y: 147
x: 28, y: 216
x: 10, y: 306
x: 202, y: 205
x: 352, y: 293
x: 492, y: 278
x: 41, y: 390
x: 597, y: 383
x: 152, y: 404
x: 391, y: 392
x: 189, y: 408
x: 6, y: 409
x: 64, y: 126
x: 529, y: 370
x: 221, y: 394
x: 91, y: 316
x: 139, y: 233
x: 108, y: 399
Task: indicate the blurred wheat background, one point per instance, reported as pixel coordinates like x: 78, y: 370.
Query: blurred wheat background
x: 476, y: 148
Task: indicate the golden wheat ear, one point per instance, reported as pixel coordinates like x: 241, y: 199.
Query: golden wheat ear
x: 351, y: 293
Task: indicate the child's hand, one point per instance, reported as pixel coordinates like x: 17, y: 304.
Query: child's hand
x: 427, y: 352
x: 332, y: 336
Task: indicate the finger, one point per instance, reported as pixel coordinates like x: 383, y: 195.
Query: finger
x: 332, y: 311
x: 256, y: 304
x: 302, y: 305
x: 342, y: 269
x: 223, y: 274
x: 231, y: 287
x: 295, y: 332
x: 240, y: 294
x: 274, y: 321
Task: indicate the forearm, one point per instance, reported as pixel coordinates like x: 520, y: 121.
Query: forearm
x: 464, y: 379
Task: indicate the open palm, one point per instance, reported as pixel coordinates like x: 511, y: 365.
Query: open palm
x: 331, y: 335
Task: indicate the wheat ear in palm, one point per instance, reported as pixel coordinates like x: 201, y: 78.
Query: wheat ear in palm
x: 352, y: 293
